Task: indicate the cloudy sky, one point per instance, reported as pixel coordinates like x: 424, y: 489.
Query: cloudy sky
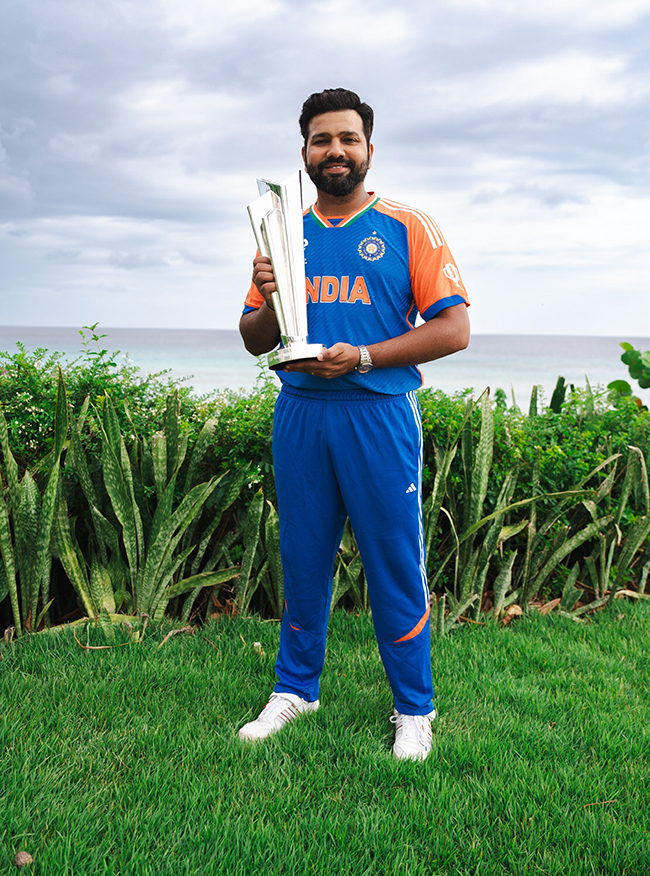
x: 132, y: 131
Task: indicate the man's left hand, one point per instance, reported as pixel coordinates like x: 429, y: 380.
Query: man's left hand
x: 331, y: 362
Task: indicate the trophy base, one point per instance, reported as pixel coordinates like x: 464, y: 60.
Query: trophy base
x: 295, y: 351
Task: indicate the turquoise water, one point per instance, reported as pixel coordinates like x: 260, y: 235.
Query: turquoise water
x: 213, y: 359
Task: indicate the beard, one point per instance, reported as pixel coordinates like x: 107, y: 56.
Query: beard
x: 339, y: 188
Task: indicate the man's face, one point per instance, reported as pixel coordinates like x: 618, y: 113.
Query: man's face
x: 337, y: 156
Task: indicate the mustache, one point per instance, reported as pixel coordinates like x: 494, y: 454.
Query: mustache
x: 346, y: 162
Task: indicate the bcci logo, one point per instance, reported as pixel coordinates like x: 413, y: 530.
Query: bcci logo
x: 371, y: 249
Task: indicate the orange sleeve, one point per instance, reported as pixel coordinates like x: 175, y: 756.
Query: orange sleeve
x: 435, y: 278
x: 254, y: 299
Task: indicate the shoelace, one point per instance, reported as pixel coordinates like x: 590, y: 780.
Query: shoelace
x: 413, y: 726
x: 275, y: 708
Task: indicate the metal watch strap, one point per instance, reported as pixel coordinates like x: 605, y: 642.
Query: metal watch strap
x: 365, y: 360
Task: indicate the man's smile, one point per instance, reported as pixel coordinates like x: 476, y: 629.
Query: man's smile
x: 338, y: 167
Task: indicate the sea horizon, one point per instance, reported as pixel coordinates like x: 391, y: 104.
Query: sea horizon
x: 211, y: 360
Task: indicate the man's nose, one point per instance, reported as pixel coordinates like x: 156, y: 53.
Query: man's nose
x: 335, y: 149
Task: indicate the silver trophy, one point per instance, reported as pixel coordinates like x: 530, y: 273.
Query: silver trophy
x: 276, y: 217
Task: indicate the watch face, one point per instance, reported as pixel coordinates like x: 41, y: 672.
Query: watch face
x: 365, y: 362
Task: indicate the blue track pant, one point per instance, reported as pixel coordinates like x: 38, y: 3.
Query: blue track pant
x: 356, y: 455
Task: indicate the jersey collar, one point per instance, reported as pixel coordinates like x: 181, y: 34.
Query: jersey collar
x: 324, y: 222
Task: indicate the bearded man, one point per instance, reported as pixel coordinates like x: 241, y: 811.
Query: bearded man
x: 347, y: 434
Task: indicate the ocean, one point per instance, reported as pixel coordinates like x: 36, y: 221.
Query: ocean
x: 210, y: 360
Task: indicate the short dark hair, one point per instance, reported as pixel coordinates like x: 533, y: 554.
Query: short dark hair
x: 333, y: 100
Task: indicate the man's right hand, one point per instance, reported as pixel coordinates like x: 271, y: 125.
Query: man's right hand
x: 264, y: 278
x: 259, y: 328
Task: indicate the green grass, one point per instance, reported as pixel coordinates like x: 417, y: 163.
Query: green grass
x: 126, y: 761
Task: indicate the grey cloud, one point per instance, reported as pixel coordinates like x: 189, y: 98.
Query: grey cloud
x: 547, y: 197
x: 62, y: 255
x: 133, y: 260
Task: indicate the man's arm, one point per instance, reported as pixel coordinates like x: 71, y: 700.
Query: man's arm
x: 446, y: 333
x: 259, y: 328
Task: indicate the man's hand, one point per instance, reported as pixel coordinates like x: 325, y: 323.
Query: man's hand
x: 259, y: 328
x: 264, y: 278
x: 332, y: 362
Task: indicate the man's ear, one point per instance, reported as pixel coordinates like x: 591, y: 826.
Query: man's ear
x: 371, y: 152
x: 302, y: 152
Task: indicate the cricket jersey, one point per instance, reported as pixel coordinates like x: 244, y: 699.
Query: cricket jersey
x: 367, y: 277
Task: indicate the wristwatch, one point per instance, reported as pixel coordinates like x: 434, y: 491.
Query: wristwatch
x: 365, y: 361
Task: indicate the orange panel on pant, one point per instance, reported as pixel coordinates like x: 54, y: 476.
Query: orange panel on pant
x: 417, y: 628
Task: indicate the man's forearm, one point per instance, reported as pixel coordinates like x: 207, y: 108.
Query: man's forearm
x: 259, y: 329
x: 444, y: 334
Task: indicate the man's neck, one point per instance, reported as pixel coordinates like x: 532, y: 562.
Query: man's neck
x: 330, y: 205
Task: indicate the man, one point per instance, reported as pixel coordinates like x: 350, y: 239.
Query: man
x: 347, y: 436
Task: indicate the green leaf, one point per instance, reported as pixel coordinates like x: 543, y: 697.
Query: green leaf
x: 8, y: 561
x: 166, y: 574
x: 43, y: 550
x: 106, y: 625
x: 172, y: 432
x: 251, y: 540
x: 225, y: 500
x: 164, y: 509
x: 510, y: 531
x: 4, y: 583
x: 620, y: 386
x: 272, y: 540
x: 69, y: 559
x: 198, y: 452
x: 437, y: 495
x: 502, y: 584
x: 11, y: 467
x: 26, y: 540
x: 125, y: 465
x: 570, y: 594
x: 459, y: 610
x: 171, y: 531
x: 119, y: 496
x: 60, y: 417
x: 80, y: 463
x: 482, y: 460
x: 631, y: 475
x: 43, y: 612
x: 532, y: 407
x: 203, y: 579
x: 111, y: 426
x: 339, y: 588
x: 159, y: 456
x: 569, y: 545
x: 440, y: 614
x: 105, y: 530
x: 559, y: 394
x: 635, y: 539
x: 467, y: 578
x: 101, y: 587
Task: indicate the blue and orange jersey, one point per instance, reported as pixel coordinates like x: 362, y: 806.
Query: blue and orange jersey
x: 368, y: 275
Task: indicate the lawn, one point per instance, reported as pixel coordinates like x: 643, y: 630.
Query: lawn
x: 126, y: 761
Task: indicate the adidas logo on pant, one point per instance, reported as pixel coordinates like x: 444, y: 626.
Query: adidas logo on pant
x: 412, y: 489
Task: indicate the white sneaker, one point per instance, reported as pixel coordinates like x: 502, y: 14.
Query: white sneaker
x: 412, y: 735
x: 280, y: 709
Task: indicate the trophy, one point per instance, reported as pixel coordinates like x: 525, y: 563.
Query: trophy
x: 276, y: 217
